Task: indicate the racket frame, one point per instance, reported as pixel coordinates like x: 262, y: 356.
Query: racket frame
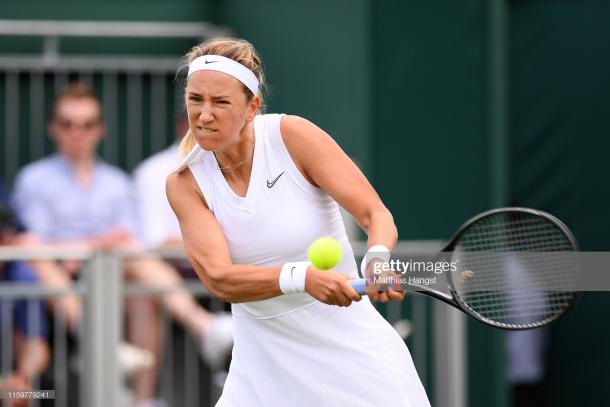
x: 455, y: 300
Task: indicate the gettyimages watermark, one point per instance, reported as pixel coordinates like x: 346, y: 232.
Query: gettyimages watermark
x: 488, y: 270
x: 414, y: 266
x: 396, y: 272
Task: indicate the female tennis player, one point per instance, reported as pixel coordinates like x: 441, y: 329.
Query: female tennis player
x: 252, y: 193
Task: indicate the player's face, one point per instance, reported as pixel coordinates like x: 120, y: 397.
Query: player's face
x: 77, y: 127
x: 218, y: 109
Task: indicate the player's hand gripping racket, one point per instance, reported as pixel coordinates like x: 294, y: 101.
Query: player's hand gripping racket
x: 515, y: 269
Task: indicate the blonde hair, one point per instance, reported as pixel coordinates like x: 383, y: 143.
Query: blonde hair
x: 236, y: 49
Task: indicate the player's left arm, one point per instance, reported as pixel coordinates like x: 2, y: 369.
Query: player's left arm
x: 324, y: 164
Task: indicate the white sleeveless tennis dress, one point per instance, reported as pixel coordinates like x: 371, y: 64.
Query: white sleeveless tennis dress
x: 291, y: 350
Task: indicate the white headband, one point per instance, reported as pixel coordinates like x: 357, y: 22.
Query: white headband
x: 228, y: 66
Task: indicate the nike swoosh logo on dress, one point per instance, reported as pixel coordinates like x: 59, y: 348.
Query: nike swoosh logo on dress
x: 272, y: 183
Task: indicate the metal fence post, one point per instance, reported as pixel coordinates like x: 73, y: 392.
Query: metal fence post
x: 102, y: 334
x: 450, y: 350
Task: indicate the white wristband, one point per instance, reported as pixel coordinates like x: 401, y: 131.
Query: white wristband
x: 292, y: 277
x: 377, y: 251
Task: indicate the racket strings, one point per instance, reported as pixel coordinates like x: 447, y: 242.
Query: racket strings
x: 521, y: 269
x: 516, y: 304
x: 521, y: 235
x: 546, y: 277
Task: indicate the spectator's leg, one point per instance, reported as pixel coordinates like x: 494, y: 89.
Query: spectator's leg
x: 213, y: 331
x: 52, y: 275
x: 143, y: 331
x: 180, y: 304
x: 32, y: 355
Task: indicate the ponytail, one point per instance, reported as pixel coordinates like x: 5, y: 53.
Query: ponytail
x: 188, y: 143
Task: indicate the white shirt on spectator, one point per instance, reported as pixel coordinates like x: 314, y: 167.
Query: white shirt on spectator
x: 156, y: 219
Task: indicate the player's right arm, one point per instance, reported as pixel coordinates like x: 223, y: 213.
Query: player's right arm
x: 208, y: 252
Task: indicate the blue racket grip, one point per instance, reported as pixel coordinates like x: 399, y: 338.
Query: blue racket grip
x: 359, y: 285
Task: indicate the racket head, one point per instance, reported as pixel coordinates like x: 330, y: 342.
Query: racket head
x: 498, y: 283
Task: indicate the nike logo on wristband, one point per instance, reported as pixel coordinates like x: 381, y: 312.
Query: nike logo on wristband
x: 272, y: 183
x: 209, y: 62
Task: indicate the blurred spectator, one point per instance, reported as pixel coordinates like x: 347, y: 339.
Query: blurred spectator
x: 526, y: 366
x: 157, y: 222
x: 30, y: 356
x: 526, y: 350
x: 73, y: 198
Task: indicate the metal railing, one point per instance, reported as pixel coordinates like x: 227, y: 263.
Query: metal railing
x: 51, y: 32
x: 150, y: 29
x: 143, y: 85
x: 103, y: 291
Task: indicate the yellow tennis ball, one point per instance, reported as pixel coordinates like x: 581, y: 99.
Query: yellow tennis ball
x: 324, y: 253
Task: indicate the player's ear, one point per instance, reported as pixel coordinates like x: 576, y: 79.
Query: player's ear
x: 253, y: 106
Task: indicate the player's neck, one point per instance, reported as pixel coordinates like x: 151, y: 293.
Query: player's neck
x: 238, y: 155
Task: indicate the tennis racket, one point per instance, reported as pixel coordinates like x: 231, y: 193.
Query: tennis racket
x: 517, y: 269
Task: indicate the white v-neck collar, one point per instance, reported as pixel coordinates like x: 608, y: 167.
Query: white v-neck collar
x: 248, y: 201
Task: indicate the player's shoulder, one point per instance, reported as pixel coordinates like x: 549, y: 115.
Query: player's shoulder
x: 293, y: 126
x: 181, y: 185
x: 293, y: 122
x: 300, y: 134
x: 182, y: 180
